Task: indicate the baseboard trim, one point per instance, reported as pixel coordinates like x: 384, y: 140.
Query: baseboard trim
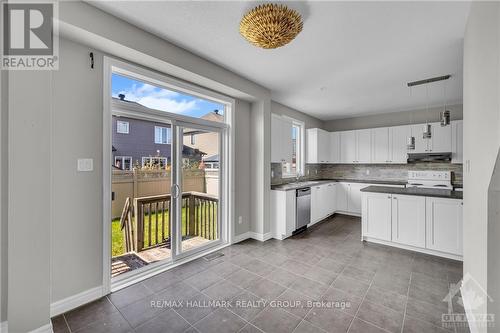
x: 44, y: 329
x: 413, y: 248
x: 75, y: 301
x: 242, y: 237
x: 261, y: 237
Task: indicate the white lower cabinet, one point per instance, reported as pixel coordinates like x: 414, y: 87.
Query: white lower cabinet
x: 427, y: 224
x: 315, y: 203
x: 376, y: 216
x: 354, y: 202
x: 323, y: 201
x: 330, y: 198
x: 444, y: 225
x: 342, y: 196
x: 282, y: 213
x: 408, y: 220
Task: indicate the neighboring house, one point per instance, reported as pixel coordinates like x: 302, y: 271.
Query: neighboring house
x: 141, y: 141
x: 207, y: 142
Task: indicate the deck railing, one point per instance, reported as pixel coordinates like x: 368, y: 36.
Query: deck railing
x: 151, y: 222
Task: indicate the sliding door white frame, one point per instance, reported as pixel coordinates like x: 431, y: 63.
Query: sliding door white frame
x: 111, y: 66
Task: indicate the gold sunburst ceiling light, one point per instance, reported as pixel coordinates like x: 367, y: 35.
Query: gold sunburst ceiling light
x: 271, y: 26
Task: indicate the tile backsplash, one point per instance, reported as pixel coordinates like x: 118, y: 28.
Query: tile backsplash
x: 393, y: 172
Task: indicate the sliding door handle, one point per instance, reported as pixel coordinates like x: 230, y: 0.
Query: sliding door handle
x: 175, y: 191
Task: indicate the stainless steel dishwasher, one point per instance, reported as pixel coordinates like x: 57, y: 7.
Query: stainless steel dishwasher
x: 303, y: 208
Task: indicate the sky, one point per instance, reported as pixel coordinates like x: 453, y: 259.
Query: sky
x: 161, y: 99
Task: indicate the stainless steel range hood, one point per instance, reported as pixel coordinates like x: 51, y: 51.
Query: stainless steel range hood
x: 429, y: 157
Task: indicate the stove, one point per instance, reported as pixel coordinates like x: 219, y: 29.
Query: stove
x: 430, y: 179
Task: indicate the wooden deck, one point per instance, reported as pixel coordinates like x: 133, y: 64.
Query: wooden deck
x: 131, y: 261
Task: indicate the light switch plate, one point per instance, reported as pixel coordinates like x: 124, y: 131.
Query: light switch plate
x: 85, y: 164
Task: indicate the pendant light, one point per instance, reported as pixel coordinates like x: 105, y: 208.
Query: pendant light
x: 427, y: 133
x: 444, y: 115
x: 410, y: 140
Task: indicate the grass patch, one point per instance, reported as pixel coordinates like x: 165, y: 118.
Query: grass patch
x: 163, y: 225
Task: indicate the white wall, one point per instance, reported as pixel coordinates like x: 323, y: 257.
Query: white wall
x: 261, y: 167
x: 481, y: 136
x: 4, y: 119
x: 242, y: 166
x: 29, y: 181
x: 77, y: 201
x: 310, y: 122
x: 393, y: 119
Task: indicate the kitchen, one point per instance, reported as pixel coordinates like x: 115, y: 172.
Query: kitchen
x: 405, y: 182
x: 357, y: 164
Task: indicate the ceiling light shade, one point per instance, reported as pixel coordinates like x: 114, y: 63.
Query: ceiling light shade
x: 270, y: 26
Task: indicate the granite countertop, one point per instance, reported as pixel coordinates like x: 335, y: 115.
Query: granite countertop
x: 309, y: 183
x: 426, y: 192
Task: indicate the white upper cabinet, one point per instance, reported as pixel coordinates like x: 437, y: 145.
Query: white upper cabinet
x: 380, y: 145
x: 457, y: 141
x: 335, y: 147
x: 421, y: 144
x: 363, y: 146
x: 318, y: 146
x: 355, y: 146
x: 281, y: 139
x: 348, y: 147
x: 398, y: 136
x: 439, y: 142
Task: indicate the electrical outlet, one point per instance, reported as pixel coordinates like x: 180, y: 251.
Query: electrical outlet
x: 315, y: 172
x: 240, y: 219
x: 367, y: 172
x: 272, y: 173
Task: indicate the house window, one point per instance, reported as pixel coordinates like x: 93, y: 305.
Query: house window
x: 211, y: 165
x: 123, y: 162
x: 162, y: 135
x: 153, y: 161
x: 193, y: 139
x: 295, y: 167
x: 122, y: 127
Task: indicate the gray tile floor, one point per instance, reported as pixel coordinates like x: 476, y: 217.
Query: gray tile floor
x: 323, y: 280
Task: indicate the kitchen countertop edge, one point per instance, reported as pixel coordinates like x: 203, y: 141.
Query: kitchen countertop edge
x: 424, y: 192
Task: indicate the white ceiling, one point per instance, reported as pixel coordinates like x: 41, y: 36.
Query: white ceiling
x: 351, y: 59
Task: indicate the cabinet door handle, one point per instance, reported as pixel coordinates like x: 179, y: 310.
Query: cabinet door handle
x: 388, y: 196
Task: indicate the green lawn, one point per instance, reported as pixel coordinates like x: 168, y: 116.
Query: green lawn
x: 118, y: 244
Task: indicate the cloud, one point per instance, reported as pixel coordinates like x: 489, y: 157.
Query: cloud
x: 158, y: 98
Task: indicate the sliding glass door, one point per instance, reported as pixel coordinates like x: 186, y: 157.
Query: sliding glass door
x: 199, y: 179
x: 168, y: 173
